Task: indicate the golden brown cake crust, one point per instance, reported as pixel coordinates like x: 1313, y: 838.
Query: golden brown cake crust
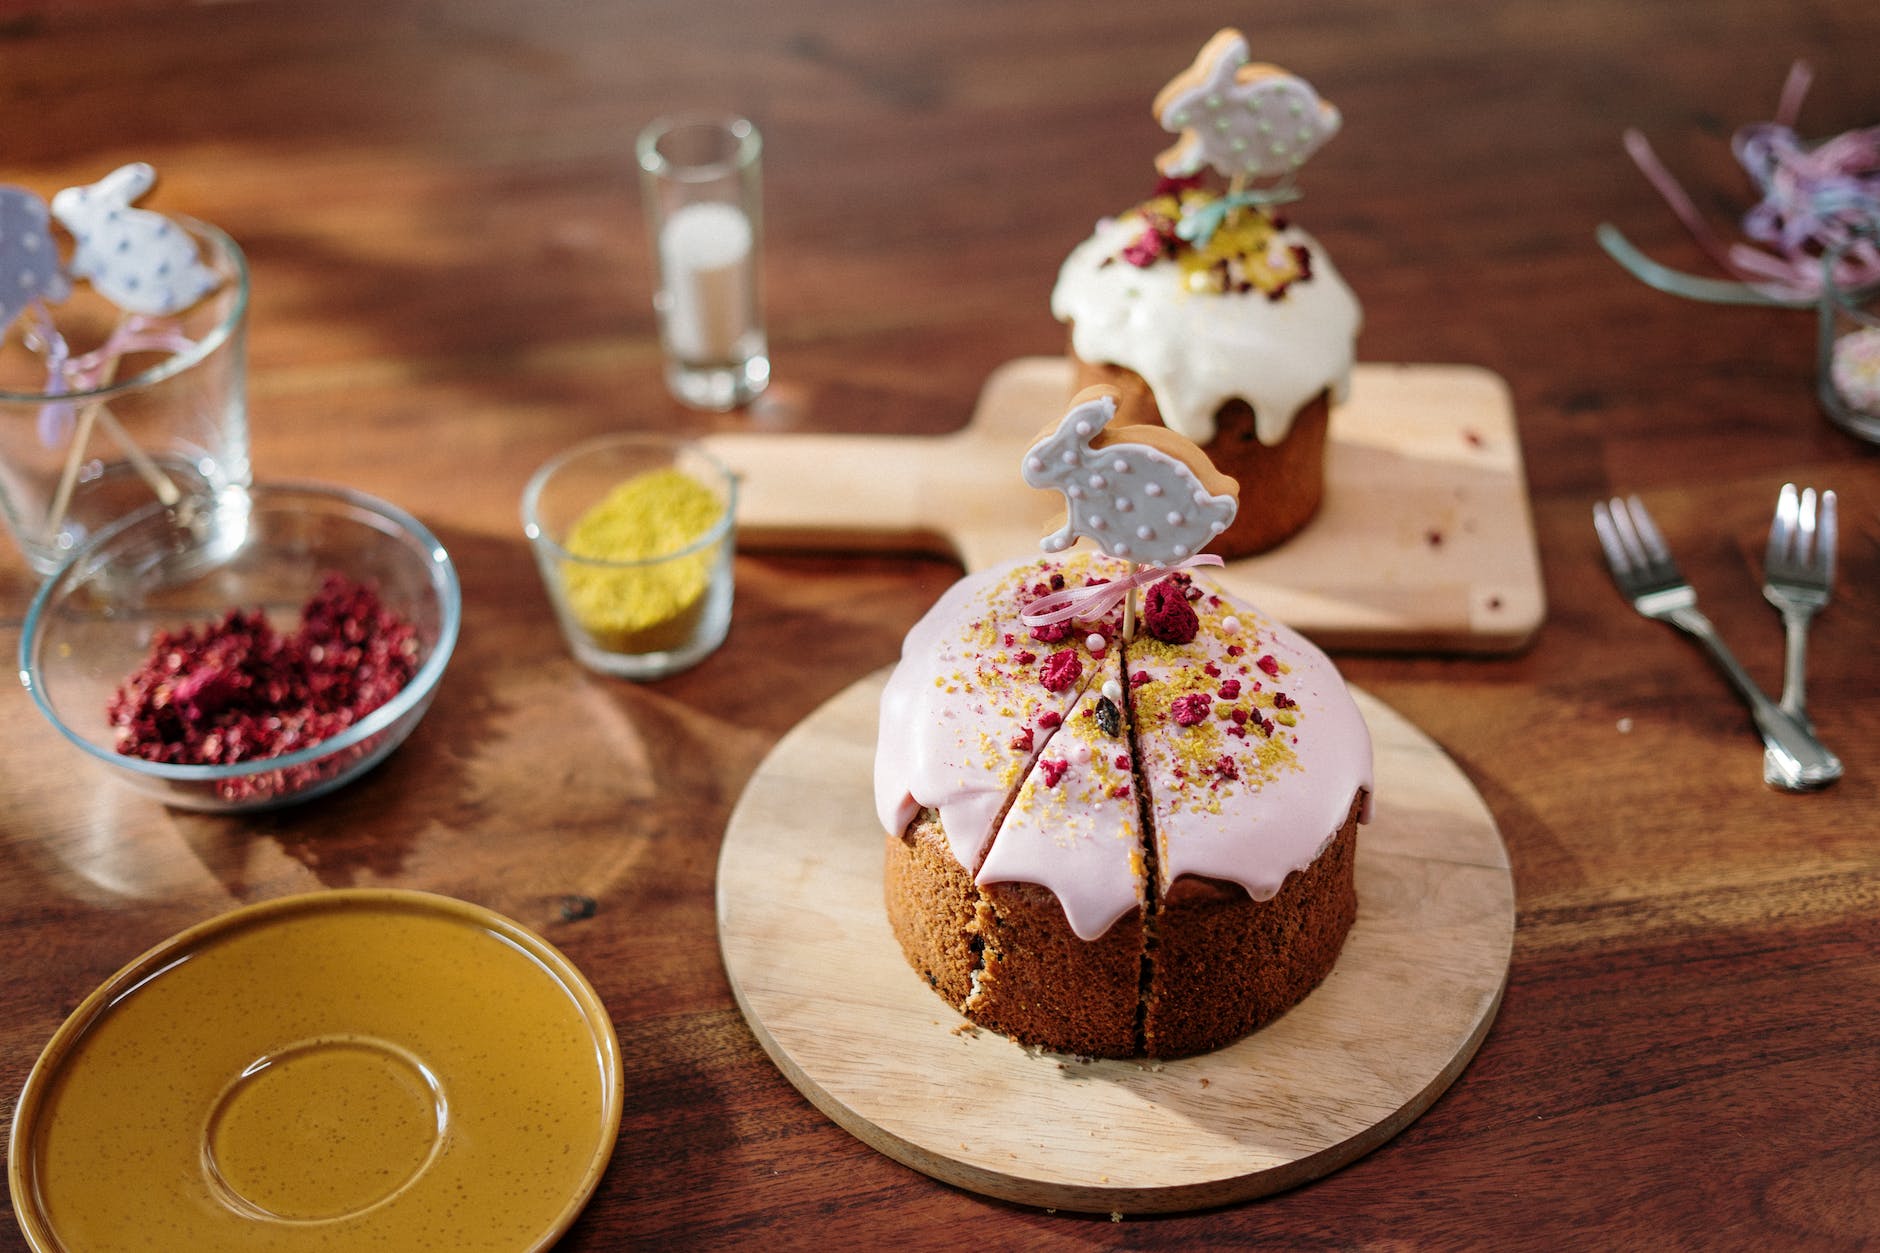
x: 1042, y: 985
x: 932, y: 906
x: 1281, y: 485
x: 1218, y: 962
x: 1222, y: 963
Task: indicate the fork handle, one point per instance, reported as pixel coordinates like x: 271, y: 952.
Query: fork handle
x: 1801, y: 759
x: 1795, y: 663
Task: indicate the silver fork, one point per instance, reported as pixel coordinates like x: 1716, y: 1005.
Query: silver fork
x: 1642, y: 567
x: 1798, y: 574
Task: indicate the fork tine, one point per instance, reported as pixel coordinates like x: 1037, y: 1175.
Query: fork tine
x: 1805, y: 528
x: 1616, y: 556
x: 1627, y: 535
x: 1825, y: 536
x: 1648, y: 530
x: 1781, y: 527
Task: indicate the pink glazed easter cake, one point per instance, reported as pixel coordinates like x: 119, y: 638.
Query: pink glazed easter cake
x: 1118, y: 848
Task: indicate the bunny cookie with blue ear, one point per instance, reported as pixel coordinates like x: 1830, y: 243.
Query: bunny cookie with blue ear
x: 138, y: 260
x: 29, y: 264
x: 1142, y: 493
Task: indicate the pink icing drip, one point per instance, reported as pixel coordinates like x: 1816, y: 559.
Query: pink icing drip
x: 1260, y: 827
x: 949, y: 722
x: 949, y: 750
x: 1076, y: 836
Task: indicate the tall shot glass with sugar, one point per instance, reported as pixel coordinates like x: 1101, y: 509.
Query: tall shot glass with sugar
x: 700, y: 177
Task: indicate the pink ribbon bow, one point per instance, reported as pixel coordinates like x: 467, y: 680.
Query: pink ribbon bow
x: 1097, y: 599
x: 66, y: 374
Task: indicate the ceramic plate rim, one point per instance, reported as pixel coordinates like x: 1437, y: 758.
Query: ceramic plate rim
x: 30, y: 1213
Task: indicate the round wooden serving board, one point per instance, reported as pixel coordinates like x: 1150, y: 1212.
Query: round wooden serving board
x: 822, y: 982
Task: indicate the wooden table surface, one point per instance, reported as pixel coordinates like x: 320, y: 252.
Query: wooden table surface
x: 451, y: 283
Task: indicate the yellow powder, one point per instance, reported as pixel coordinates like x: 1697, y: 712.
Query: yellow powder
x: 653, y: 607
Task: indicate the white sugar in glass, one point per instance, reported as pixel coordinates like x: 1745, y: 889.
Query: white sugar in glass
x: 701, y: 182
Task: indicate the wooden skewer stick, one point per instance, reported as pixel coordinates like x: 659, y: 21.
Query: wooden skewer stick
x: 68, y: 477
x: 147, y: 469
x: 1129, y: 608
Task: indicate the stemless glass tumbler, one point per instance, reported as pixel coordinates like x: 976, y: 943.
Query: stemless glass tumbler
x: 1848, y: 370
x: 701, y: 182
x: 171, y: 426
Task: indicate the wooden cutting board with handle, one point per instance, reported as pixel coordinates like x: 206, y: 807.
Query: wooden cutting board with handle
x: 1425, y: 540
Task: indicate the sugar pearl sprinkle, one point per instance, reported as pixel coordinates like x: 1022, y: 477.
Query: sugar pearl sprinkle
x: 1113, y: 690
x: 1231, y: 625
x: 1096, y: 643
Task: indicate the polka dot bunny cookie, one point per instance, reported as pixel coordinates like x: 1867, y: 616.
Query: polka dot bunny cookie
x: 1142, y: 493
x: 1248, y: 121
x: 29, y: 264
x: 138, y: 260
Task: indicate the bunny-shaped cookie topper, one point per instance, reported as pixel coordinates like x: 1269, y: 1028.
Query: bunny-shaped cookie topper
x: 138, y: 260
x: 29, y: 263
x: 1142, y: 493
x: 1248, y: 121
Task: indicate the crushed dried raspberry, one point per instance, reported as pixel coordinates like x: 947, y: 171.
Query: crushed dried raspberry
x: 1238, y: 731
x: 1010, y: 639
x: 1283, y: 701
x: 1049, y: 718
x: 1094, y: 581
x: 1119, y: 791
x: 1225, y: 767
x: 1144, y: 250
x: 1214, y: 671
x: 238, y: 690
x: 1025, y: 657
x: 1167, y: 615
x: 1121, y: 762
x: 1139, y: 678
x: 1190, y: 709
x: 1057, y: 581
x: 1040, y: 589
x: 1266, y: 727
x: 1235, y: 650
x: 1053, y: 771
x: 1022, y: 741
x: 1269, y: 663
x: 1240, y: 717
x: 1230, y: 689
x: 1051, y: 632
x: 1061, y: 669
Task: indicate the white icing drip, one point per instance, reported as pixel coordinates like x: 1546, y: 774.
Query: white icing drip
x: 1199, y: 350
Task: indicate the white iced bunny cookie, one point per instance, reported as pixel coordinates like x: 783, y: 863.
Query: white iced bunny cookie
x: 1142, y: 493
x: 138, y: 260
x: 1246, y: 120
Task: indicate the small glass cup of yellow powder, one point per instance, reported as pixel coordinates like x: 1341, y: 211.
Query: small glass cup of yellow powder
x: 634, y: 537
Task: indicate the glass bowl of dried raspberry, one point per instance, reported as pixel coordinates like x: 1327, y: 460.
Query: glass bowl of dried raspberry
x: 247, y: 653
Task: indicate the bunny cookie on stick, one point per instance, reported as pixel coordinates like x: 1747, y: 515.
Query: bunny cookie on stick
x: 146, y: 265
x: 1142, y: 493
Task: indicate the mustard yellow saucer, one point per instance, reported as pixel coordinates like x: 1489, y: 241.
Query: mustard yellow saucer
x: 344, y: 1070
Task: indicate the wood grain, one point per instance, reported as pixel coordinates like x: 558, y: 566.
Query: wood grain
x: 450, y: 284
x: 824, y: 986
x: 1424, y: 542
